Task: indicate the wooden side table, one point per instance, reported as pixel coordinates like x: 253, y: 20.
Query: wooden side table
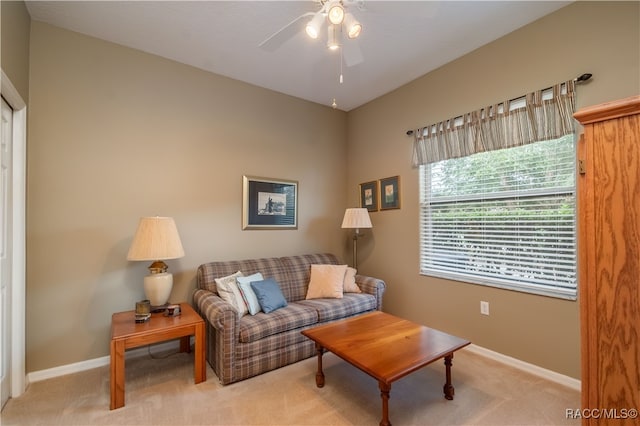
x: 126, y: 334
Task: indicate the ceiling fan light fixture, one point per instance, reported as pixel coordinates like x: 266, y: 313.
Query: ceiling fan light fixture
x: 335, y: 13
x: 313, y: 27
x: 333, y: 41
x: 354, y: 28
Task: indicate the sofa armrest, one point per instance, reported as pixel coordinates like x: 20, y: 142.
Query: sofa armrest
x: 372, y: 286
x: 218, y: 312
x: 222, y: 332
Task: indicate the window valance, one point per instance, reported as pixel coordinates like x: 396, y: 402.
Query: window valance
x: 541, y: 115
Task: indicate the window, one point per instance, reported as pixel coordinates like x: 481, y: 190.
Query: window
x: 497, y: 194
x: 503, y: 218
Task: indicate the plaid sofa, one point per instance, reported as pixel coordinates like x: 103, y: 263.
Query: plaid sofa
x: 239, y: 348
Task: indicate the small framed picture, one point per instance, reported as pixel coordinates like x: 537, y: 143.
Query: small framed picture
x: 269, y: 203
x: 369, y: 195
x: 390, y: 193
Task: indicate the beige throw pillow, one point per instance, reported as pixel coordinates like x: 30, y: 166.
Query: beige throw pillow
x: 327, y: 281
x: 350, y: 285
x: 229, y: 291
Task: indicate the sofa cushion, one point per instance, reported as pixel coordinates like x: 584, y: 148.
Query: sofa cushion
x: 350, y: 304
x: 229, y: 291
x: 269, y: 295
x: 327, y: 281
x: 292, y: 316
x: 249, y: 296
x: 299, y: 268
x: 350, y: 285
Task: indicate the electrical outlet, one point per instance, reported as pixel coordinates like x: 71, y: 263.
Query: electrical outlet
x: 484, y: 308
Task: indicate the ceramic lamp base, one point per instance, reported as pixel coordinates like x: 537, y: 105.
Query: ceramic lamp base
x: 157, y: 288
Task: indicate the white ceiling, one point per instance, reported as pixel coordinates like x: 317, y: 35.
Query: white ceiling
x: 400, y: 41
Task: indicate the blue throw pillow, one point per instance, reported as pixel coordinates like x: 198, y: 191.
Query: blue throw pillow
x: 269, y: 295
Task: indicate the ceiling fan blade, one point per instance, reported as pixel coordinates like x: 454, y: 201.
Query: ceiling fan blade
x: 277, y: 39
x: 352, y: 53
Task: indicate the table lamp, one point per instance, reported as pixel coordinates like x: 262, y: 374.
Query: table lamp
x: 156, y: 239
x: 356, y: 218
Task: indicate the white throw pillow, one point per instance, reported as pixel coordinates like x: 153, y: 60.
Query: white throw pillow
x: 249, y: 296
x: 327, y: 281
x: 350, y: 285
x: 229, y: 291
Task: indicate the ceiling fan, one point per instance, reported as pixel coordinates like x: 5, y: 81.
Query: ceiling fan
x: 339, y: 22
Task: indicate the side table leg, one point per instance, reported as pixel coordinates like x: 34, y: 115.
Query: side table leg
x: 448, y: 387
x: 185, y: 344
x: 385, y: 389
x: 117, y: 374
x: 319, y: 374
x: 199, y: 366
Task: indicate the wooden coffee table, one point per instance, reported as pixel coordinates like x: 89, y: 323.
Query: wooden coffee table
x: 385, y: 347
x: 126, y: 333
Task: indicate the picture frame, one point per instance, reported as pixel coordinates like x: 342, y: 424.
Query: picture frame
x: 269, y: 203
x: 390, y: 193
x: 369, y: 195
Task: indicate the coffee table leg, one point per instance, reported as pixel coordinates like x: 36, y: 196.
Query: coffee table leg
x: 385, y: 389
x: 319, y: 374
x: 448, y: 387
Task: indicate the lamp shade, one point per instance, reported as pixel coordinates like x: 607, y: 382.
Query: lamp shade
x: 156, y: 239
x: 313, y: 27
x: 354, y: 28
x: 356, y: 218
x: 335, y: 12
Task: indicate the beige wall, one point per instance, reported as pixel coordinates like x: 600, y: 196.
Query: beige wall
x: 14, y: 44
x: 602, y: 38
x: 115, y: 134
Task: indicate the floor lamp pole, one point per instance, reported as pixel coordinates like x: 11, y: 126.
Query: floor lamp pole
x: 356, y: 235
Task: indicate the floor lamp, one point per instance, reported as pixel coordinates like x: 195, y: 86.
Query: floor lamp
x: 356, y: 218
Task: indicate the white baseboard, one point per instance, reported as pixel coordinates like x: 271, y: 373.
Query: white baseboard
x: 37, y: 376
x: 77, y: 367
x: 570, y: 382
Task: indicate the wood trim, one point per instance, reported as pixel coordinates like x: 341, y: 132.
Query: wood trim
x: 585, y: 259
x: 609, y: 110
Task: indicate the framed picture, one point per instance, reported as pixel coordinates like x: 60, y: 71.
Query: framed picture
x: 369, y: 195
x: 269, y: 203
x: 390, y: 193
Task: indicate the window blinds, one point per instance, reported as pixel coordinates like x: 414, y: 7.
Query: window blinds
x: 503, y: 218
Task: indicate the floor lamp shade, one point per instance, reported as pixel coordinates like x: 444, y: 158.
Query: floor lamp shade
x: 356, y: 218
x: 156, y: 239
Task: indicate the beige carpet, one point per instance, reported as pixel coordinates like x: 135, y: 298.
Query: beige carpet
x: 161, y: 392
